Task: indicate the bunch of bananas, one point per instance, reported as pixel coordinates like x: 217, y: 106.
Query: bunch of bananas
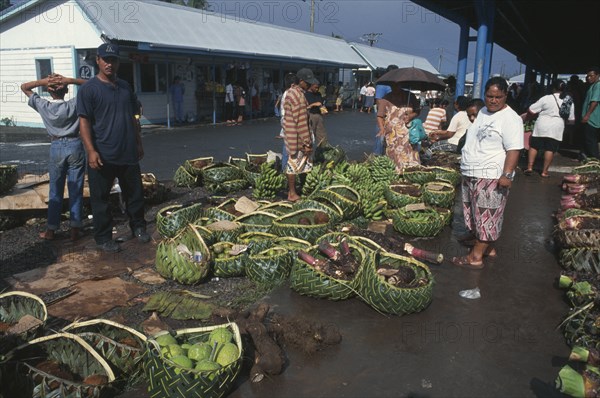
x: 382, y: 169
x: 318, y: 178
x: 358, y: 174
x: 269, y: 182
x: 372, y: 201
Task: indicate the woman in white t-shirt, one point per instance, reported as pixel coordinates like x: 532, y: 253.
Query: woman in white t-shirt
x: 548, y: 129
x: 488, y: 163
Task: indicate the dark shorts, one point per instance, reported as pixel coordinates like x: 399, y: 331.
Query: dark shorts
x: 544, y: 144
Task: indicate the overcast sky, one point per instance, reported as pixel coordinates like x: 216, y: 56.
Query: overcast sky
x: 404, y: 27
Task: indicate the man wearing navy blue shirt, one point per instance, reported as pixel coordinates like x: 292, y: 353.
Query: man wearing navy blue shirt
x: 109, y: 127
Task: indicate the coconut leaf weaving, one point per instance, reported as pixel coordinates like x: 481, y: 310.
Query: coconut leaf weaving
x: 308, y: 281
x: 222, y: 230
x: 179, y: 304
x: 218, y: 173
x: 182, y: 178
x: 78, y: 359
x: 120, y: 345
x: 390, y: 299
x: 323, y: 204
x: 399, y: 195
x: 8, y: 177
x: 270, y: 267
x: 278, y: 208
x: 226, y: 187
x: 446, y: 214
x: 302, y: 224
x: 589, y: 167
x: 580, y: 259
x: 257, y: 241
x: 168, y: 380
x: 177, y: 258
x: 425, y: 223
x: 345, y: 197
x: 577, y: 238
x: 291, y: 243
x: 439, y: 193
x: 446, y: 174
x: 367, y: 245
x: 218, y: 213
x: 13, y: 306
x: 257, y: 221
x: 238, y: 162
x: 195, y: 166
x: 225, y: 262
x: 418, y: 175
x: 172, y: 219
x: 257, y: 158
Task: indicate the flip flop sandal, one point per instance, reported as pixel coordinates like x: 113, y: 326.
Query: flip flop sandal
x: 528, y: 172
x: 464, y: 262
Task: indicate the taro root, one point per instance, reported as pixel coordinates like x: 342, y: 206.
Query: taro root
x: 304, y: 221
x: 4, y: 327
x: 401, y: 276
x: 200, y: 163
x: 321, y: 217
x: 95, y: 380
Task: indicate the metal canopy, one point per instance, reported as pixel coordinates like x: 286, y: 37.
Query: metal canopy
x: 548, y: 36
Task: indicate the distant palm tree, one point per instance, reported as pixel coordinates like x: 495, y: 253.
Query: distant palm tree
x: 200, y: 4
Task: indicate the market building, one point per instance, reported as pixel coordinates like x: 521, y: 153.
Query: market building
x: 160, y: 41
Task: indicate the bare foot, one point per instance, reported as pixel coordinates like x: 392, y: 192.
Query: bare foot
x: 490, y: 252
x: 293, y: 198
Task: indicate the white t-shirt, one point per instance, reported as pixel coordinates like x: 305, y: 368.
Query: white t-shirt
x: 549, y: 123
x: 459, y: 124
x: 229, y: 93
x: 490, y: 136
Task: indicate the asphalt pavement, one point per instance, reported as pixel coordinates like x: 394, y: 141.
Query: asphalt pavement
x: 504, y: 344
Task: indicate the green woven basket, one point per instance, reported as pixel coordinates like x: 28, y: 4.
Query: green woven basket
x: 418, y: 174
x: 218, y: 214
x: 13, y: 306
x: 446, y: 174
x: 589, y: 167
x: 439, y: 193
x: 257, y: 158
x: 195, y: 166
x: 278, y: 208
x: 225, y: 264
x: 323, y: 204
x: 294, y: 224
x: 120, y: 345
x: 23, y: 378
x: 168, y: 380
x: 172, y: 219
x: 184, y: 258
x: 257, y: 221
x: 291, y: 243
x: 402, y: 194
x: 345, y: 197
x: 445, y: 213
x: 238, y: 162
x: 220, y: 232
x: 580, y: 259
x: 257, y: 241
x: 8, y: 177
x: 424, y: 223
x: 390, y: 299
x: 218, y: 173
x: 269, y: 267
x: 367, y: 245
x: 308, y: 281
x: 226, y: 187
x: 183, y: 178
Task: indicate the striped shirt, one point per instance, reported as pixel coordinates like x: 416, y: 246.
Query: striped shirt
x: 295, y: 120
x: 434, y: 119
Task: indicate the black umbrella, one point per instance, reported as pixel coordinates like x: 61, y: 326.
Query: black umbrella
x: 413, y: 79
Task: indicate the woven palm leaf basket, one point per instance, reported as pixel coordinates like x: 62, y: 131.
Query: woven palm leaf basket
x: 257, y: 221
x: 424, y: 223
x: 218, y: 173
x: 305, y: 224
x: 58, y: 365
x: 154, y: 191
x: 167, y: 379
x: 257, y: 158
x: 402, y: 194
x: 228, y: 205
x: 589, y: 167
x: 418, y: 174
x: 226, y: 187
x: 222, y: 230
x: 8, y: 177
x: 335, y: 212
x: 580, y: 259
x: 367, y: 245
x: 172, y: 219
x: 270, y: 267
x: 183, y: 178
x: 445, y: 213
x: 257, y: 241
x: 238, y: 162
x: 401, y: 299
x: 309, y: 281
x: 567, y: 238
x: 278, y: 208
x: 345, y: 197
x: 121, y: 346
x: 226, y: 261
x: 184, y: 258
x: 252, y: 173
x: 446, y: 174
x: 218, y: 213
x: 14, y: 306
x: 439, y: 193
x: 291, y: 243
x: 195, y: 166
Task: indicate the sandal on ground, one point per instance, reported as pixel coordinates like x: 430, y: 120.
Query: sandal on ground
x: 545, y: 175
x: 528, y: 172
x: 491, y: 253
x: 465, y: 262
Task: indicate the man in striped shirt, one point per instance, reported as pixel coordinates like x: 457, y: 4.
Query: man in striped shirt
x: 435, y: 117
x: 298, y: 141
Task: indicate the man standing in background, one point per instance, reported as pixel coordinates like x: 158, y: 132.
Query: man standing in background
x: 590, y: 116
x: 177, y: 90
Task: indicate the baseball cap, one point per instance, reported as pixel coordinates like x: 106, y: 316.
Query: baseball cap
x: 108, y: 50
x: 307, y: 75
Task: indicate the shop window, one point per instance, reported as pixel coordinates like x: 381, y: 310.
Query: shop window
x: 126, y: 73
x: 43, y: 67
x: 153, y: 78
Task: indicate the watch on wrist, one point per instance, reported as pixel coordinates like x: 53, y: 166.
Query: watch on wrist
x: 509, y: 176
